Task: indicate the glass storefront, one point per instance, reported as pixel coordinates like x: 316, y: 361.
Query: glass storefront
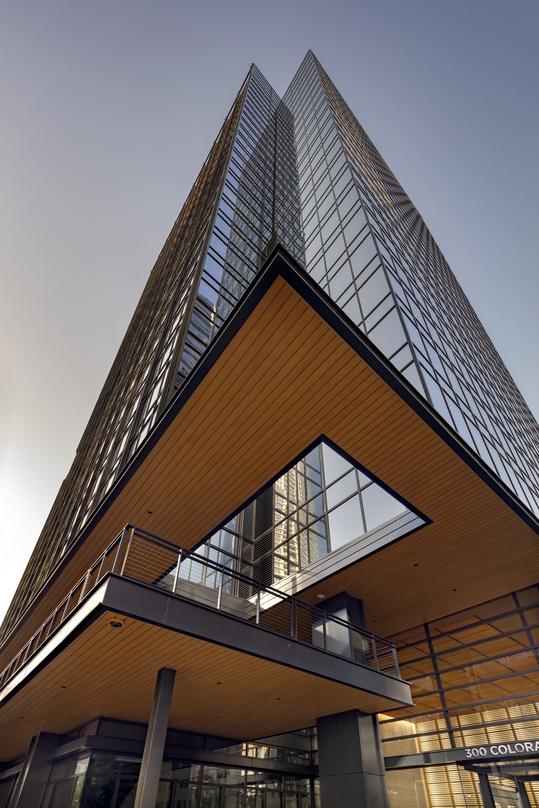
x: 105, y: 780
x: 474, y: 678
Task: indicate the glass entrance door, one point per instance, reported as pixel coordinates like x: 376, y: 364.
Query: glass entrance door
x: 506, y: 784
x: 504, y: 791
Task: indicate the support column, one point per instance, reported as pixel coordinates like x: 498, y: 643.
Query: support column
x: 152, y: 758
x: 523, y: 794
x: 345, y: 606
x: 34, y: 775
x: 486, y: 791
x: 351, y: 764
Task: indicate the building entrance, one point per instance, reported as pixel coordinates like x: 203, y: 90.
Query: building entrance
x: 507, y: 783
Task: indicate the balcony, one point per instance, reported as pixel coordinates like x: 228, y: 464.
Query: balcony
x: 254, y: 660
x: 141, y: 557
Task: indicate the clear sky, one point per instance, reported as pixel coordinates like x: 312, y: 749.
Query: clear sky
x: 109, y: 108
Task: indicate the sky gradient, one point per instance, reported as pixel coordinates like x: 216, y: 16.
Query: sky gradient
x: 109, y: 109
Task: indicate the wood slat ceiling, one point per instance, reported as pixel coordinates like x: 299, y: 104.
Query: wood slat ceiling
x: 219, y: 691
x: 284, y: 379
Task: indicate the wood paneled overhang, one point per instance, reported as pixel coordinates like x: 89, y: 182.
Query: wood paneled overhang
x: 233, y: 677
x: 287, y: 368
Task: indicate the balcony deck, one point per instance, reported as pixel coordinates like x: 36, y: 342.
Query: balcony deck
x: 251, y: 661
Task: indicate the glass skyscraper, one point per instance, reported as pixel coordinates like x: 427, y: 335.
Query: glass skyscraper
x: 300, y: 174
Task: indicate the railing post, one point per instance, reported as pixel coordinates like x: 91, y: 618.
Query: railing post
x: 121, y: 542
x: 128, y: 548
x: 38, y: 637
x: 85, y: 584
x: 177, y: 573
x: 351, y: 641
x: 98, y: 577
x: 395, y: 661
x: 25, y: 649
x: 68, y: 598
x: 220, y: 593
x: 375, y: 653
x: 294, y: 620
x: 257, y: 617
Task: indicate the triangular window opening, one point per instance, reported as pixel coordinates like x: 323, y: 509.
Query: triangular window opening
x: 319, y: 505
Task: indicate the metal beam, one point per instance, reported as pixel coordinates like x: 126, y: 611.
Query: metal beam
x: 211, y: 757
x: 152, y: 758
x: 351, y: 766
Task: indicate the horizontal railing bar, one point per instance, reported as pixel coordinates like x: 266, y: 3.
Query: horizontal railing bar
x: 52, y: 617
x: 175, y: 548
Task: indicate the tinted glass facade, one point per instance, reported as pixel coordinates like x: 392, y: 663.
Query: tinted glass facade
x: 109, y: 780
x: 369, y: 248
x: 259, y: 199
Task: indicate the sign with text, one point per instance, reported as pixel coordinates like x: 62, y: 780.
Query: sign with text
x: 494, y: 750
x: 486, y: 752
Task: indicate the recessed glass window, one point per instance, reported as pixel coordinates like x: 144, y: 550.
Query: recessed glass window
x: 388, y: 335
x: 373, y: 290
x: 340, y: 281
x: 352, y: 310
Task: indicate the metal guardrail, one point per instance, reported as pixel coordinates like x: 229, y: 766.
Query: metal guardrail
x: 147, y: 559
x: 105, y: 564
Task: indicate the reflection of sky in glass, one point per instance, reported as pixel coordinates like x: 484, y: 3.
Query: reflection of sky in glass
x: 345, y: 522
x: 355, y: 503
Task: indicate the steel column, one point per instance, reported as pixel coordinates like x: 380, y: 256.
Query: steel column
x: 486, y: 791
x: 523, y: 794
x: 351, y: 765
x: 34, y: 775
x: 152, y: 758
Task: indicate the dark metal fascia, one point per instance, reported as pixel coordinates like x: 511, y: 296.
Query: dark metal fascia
x: 151, y: 605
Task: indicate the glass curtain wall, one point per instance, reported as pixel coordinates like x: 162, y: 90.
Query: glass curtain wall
x: 369, y: 248
x: 259, y: 199
x: 340, y: 252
